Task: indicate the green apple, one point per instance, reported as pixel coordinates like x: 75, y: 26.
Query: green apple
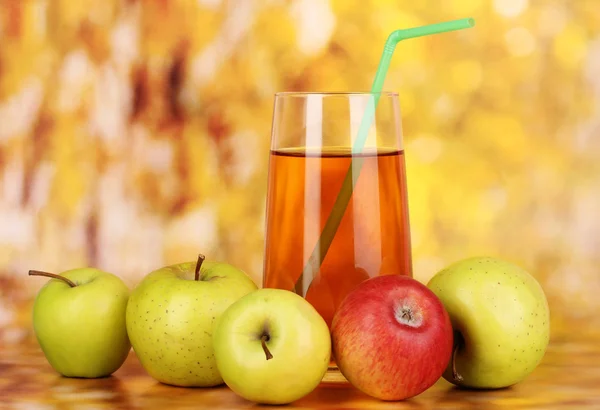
x: 79, y: 322
x: 501, y: 320
x: 272, y: 346
x: 170, y: 318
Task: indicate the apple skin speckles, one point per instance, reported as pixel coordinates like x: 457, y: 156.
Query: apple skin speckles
x: 503, y: 315
x: 180, y: 338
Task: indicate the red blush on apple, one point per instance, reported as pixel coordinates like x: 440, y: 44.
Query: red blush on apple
x: 392, y: 337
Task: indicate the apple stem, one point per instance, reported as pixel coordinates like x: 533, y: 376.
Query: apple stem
x: 455, y: 375
x: 198, y: 265
x: 53, y: 276
x: 263, y: 342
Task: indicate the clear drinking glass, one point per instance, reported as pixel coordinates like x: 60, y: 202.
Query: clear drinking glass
x: 311, y: 156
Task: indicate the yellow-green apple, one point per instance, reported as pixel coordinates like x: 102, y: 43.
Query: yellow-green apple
x: 170, y: 318
x: 392, y: 337
x: 79, y: 322
x: 272, y: 346
x: 501, y: 320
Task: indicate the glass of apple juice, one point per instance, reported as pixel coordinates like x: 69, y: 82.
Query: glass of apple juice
x: 335, y: 217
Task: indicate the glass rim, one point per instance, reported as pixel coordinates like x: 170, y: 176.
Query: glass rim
x: 334, y: 93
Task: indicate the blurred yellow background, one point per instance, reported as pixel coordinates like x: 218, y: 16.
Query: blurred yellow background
x: 134, y: 134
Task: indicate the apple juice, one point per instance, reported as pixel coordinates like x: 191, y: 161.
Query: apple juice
x: 373, y: 237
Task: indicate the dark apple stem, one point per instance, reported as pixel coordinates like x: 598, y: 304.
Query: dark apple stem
x: 53, y: 276
x: 457, y: 377
x: 263, y: 341
x: 198, y: 264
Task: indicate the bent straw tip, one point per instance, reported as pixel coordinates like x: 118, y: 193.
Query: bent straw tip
x: 457, y: 24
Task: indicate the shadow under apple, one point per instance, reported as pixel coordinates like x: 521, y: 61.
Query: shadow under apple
x: 468, y: 397
x: 73, y: 393
x: 344, y: 395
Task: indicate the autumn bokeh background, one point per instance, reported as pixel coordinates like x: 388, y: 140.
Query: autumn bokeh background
x: 134, y: 134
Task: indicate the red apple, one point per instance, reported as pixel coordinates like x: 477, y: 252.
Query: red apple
x: 392, y: 337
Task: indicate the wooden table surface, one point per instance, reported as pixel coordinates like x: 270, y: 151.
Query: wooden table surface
x: 568, y: 377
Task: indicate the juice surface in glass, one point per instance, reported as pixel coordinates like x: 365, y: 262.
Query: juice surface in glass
x: 372, y: 239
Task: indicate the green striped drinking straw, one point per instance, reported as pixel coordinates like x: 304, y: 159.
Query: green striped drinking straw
x: 339, y: 208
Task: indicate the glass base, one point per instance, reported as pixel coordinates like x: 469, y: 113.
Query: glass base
x: 333, y: 375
